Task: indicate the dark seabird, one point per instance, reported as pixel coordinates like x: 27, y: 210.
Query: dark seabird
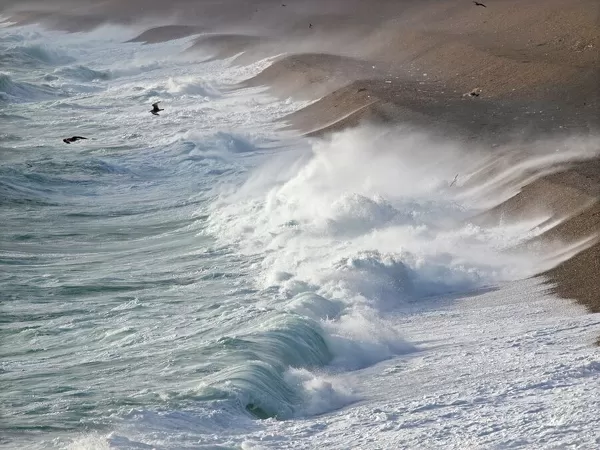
x: 454, y: 181
x: 479, y: 4
x: 155, y: 109
x: 73, y: 139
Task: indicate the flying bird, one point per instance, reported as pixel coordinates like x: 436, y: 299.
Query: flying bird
x: 155, y: 109
x: 479, y: 4
x: 73, y: 139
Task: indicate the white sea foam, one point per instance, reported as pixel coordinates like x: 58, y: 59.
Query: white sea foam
x: 319, y: 393
x: 372, y: 220
x: 373, y: 211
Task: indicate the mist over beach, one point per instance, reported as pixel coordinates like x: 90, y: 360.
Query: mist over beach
x: 346, y: 224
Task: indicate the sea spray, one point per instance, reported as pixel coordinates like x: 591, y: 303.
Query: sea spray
x: 366, y: 223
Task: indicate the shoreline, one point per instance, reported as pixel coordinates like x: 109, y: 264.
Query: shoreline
x: 513, y: 71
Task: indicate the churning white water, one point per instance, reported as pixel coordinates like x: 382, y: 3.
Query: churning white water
x: 203, y: 279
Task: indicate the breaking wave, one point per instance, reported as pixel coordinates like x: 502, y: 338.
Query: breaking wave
x: 33, y: 55
x: 83, y: 73
x: 350, y: 231
x: 18, y: 92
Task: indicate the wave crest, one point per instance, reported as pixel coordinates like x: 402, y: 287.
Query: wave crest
x: 19, y: 92
x: 83, y: 73
x: 34, y: 55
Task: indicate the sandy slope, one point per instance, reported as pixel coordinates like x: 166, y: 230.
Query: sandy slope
x: 535, y: 65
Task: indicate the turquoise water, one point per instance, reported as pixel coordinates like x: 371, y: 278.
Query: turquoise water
x: 114, y: 298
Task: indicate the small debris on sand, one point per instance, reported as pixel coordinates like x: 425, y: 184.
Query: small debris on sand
x: 474, y: 93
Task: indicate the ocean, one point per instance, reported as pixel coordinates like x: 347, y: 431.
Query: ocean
x: 209, y: 278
